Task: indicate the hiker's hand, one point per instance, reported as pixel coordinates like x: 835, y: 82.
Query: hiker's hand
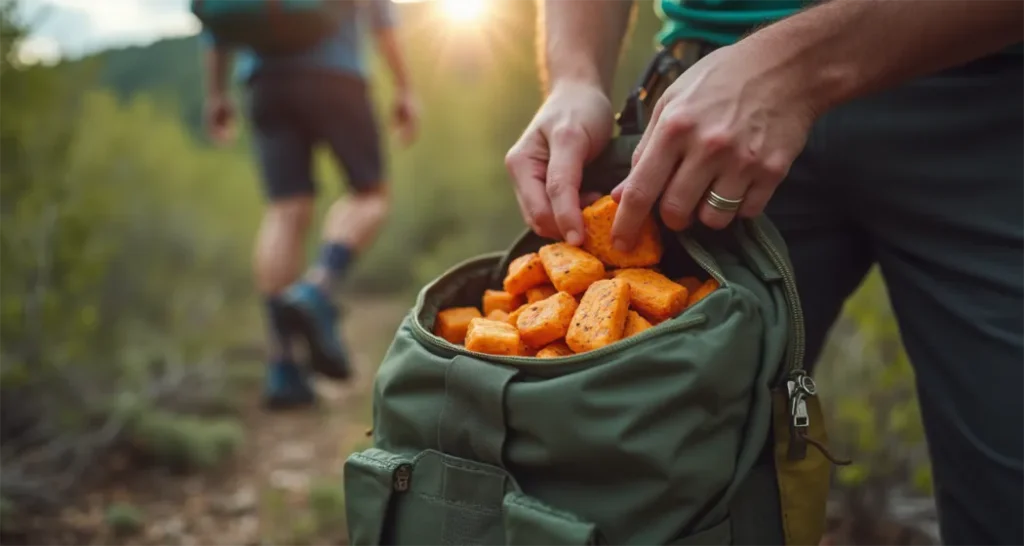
x: 220, y: 118
x: 572, y: 126
x: 733, y: 123
x: 407, y: 117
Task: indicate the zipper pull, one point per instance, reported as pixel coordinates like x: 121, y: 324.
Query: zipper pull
x: 800, y: 387
x: 402, y: 477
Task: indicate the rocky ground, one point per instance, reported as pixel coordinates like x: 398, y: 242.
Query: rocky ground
x: 284, y: 487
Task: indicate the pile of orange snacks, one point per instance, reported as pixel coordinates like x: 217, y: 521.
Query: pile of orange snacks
x: 563, y: 300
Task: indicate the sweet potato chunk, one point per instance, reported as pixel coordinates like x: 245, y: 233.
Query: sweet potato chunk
x: 690, y: 283
x: 555, y: 350
x: 546, y: 320
x: 708, y: 287
x: 597, y: 223
x: 634, y: 324
x: 524, y: 273
x: 514, y: 315
x: 498, y: 315
x: 570, y: 269
x: 500, y: 300
x: 538, y: 293
x: 492, y: 337
x: 653, y: 294
x: 452, y: 323
x: 601, y: 316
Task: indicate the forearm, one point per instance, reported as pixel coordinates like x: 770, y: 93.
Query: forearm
x: 218, y: 64
x: 582, y: 40
x: 845, y: 49
x: 387, y: 44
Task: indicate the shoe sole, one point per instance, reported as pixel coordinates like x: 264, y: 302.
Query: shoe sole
x: 301, y: 323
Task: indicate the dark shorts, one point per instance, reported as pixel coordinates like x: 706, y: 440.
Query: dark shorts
x: 927, y: 182
x: 293, y: 111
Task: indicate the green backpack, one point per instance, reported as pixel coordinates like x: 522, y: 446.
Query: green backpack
x: 271, y: 26
x: 695, y: 431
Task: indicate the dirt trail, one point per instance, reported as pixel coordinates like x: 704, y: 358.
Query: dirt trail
x: 284, y: 487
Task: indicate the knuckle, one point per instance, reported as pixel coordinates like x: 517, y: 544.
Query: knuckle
x: 679, y: 124
x: 717, y: 140
x: 673, y: 214
x: 775, y: 168
x: 637, y: 195
x: 565, y: 133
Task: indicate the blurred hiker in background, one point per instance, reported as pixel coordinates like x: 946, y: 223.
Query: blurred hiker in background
x: 886, y: 132
x: 297, y: 101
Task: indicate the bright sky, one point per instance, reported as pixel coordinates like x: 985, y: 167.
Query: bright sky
x: 72, y: 28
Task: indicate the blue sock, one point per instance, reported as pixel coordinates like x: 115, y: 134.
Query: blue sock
x: 280, y: 346
x: 335, y: 261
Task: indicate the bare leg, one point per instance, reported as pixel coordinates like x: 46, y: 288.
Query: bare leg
x: 352, y: 223
x: 279, y: 256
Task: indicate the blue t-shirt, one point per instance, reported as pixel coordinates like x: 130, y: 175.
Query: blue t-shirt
x: 342, y: 51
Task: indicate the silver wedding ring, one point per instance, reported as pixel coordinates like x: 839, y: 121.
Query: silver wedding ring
x: 723, y: 204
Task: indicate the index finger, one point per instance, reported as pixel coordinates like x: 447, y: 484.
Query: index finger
x: 642, y: 187
x: 565, y: 170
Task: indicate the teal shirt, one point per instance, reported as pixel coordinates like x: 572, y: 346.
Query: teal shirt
x: 720, y: 22
x: 341, y: 52
x: 723, y: 22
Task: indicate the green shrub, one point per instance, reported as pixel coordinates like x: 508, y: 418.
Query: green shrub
x: 124, y: 519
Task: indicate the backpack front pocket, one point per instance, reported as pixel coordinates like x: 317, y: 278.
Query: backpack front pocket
x: 435, y: 498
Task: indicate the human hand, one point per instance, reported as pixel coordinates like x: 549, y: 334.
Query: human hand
x: 220, y: 118
x: 406, y: 117
x: 571, y: 128
x: 733, y: 123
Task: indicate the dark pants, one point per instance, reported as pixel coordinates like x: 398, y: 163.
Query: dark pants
x: 926, y: 181
x: 294, y: 110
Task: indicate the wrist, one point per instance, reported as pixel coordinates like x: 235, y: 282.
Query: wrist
x: 578, y: 75
x: 803, y: 73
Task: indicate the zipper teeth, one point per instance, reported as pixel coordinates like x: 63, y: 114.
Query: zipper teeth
x: 796, y: 310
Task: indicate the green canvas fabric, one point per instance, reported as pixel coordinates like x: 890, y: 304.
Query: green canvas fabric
x: 646, y: 441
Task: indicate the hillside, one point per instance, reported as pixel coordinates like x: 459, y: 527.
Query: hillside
x: 170, y: 70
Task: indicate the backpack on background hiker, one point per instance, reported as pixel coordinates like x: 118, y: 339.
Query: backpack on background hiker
x: 703, y: 429
x: 271, y: 26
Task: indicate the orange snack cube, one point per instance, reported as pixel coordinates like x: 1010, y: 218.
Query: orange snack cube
x: 514, y: 315
x: 690, y: 283
x: 570, y: 269
x: 546, y: 320
x: 653, y: 294
x: 538, y: 293
x: 635, y: 324
x: 600, y: 318
x: 524, y: 273
x: 555, y: 350
x: 452, y: 323
x: 492, y: 337
x: 498, y: 314
x: 526, y: 350
x: 708, y: 287
x: 597, y: 223
x: 500, y: 300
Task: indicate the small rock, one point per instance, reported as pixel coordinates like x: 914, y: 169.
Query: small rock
x: 289, y: 480
x: 240, y: 502
x: 296, y: 452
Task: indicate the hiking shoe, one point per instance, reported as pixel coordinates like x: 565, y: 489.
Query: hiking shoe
x: 287, y: 387
x: 312, y: 315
